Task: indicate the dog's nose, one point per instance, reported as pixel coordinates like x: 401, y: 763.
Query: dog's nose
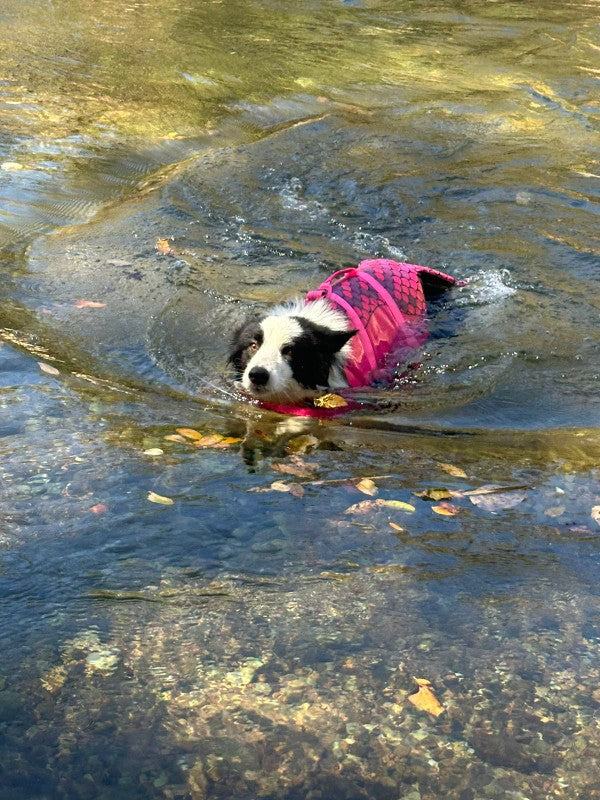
x: 259, y: 376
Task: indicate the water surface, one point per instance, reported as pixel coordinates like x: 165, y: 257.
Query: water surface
x: 244, y: 642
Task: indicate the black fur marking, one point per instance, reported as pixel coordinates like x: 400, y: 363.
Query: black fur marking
x: 242, y: 339
x: 314, y: 352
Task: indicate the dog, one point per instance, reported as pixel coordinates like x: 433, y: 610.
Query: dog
x: 351, y: 332
x: 293, y: 353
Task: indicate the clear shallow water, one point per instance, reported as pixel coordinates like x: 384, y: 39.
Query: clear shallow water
x: 241, y: 643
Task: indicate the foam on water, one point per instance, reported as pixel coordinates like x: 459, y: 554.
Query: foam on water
x: 487, y: 286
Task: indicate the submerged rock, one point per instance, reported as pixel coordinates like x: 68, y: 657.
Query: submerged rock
x: 101, y: 661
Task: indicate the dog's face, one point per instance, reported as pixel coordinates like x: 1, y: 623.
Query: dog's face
x: 285, y: 358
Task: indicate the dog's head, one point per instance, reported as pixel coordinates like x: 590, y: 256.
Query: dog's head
x: 286, y: 357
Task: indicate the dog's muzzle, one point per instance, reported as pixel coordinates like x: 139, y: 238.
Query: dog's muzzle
x: 259, y: 376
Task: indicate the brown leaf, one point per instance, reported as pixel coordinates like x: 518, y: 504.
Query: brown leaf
x: 434, y: 494
x: 555, y: 511
x: 330, y: 401
x: 367, y: 486
x: 446, y: 509
x: 99, y: 508
x: 310, y: 466
x: 425, y: 698
x: 364, y: 507
x: 164, y: 247
x: 300, y: 471
x: 49, y: 370
x: 456, y: 472
x: 396, y: 527
x: 88, y: 304
x: 295, y: 489
x: 190, y: 433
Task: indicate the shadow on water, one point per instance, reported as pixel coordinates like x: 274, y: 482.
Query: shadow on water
x: 255, y: 632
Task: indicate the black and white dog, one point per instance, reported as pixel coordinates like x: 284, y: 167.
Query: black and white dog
x: 293, y: 353
x: 359, y: 325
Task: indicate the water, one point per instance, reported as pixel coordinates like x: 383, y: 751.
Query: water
x: 240, y: 643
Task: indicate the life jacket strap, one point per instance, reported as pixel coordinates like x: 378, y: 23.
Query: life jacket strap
x: 325, y: 291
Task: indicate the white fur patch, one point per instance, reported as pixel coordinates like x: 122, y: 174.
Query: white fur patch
x: 321, y: 312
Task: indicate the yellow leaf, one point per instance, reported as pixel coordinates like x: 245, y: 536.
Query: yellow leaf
x: 153, y: 451
x: 446, y: 509
x: 330, y: 401
x: 457, y: 472
x: 422, y: 681
x: 190, y: 433
x: 399, y: 504
x: 164, y: 247
x: 425, y: 699
x: 367, y: 486
x: 396, y: 527
x: 230, y: 440
x: 209, y: 441
x: 434, y: 494
x: 159, y: 498
x: 175, y: 437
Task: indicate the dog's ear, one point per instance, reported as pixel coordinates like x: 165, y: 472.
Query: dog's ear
x: 333, y: 341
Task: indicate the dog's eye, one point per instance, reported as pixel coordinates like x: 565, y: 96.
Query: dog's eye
x: 286, y: 350
x: 253, y: 347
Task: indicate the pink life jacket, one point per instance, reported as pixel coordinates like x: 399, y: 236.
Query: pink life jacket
x: 384, y: 300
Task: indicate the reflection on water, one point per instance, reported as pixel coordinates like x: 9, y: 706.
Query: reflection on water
x: 258, y: 636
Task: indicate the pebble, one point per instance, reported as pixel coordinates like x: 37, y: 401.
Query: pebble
x: 101, y: 661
